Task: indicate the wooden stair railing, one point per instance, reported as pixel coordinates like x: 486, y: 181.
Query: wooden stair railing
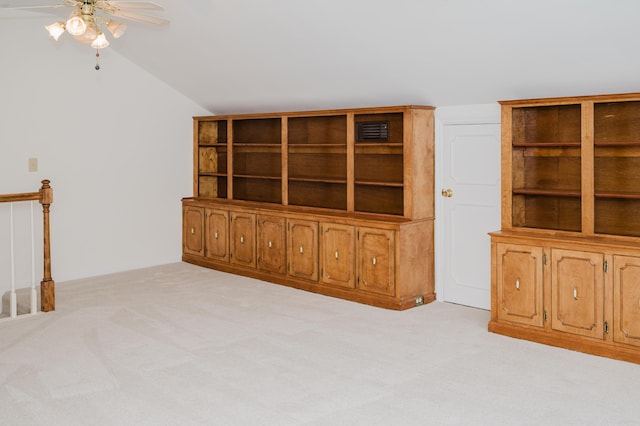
x: 45, y: 197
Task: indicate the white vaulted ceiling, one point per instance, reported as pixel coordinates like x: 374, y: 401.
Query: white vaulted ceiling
x: 234, y: 56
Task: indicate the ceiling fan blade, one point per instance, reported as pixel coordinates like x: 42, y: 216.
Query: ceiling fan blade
x: 50, y: 6
x: 138, y: 17
x: 147, y: 5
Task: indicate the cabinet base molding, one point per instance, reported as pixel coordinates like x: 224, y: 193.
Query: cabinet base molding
x: 566, y: 341
x: 373, y: 300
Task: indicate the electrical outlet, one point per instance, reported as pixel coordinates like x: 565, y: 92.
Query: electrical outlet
x: 419, y: 300
x: 33, y: 164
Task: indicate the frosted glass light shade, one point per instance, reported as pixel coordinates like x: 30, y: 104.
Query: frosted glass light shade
x: 75, y: 25
x: 100, y: 42
x: 55, y: 30
x: 116, y: 28
x: 88, y: 36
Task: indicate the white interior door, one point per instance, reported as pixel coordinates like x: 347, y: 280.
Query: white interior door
x: 469, y: 208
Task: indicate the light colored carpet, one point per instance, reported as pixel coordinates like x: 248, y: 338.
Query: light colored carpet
x: 183, y: 345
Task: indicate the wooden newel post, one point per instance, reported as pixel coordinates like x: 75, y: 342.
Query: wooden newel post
x: 47, y: 286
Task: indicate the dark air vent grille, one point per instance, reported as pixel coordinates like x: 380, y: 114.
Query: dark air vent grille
x: 372, y: 131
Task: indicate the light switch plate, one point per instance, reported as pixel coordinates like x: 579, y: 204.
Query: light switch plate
x: 33, y: 164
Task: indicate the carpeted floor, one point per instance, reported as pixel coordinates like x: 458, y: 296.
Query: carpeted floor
x: 183, y: 345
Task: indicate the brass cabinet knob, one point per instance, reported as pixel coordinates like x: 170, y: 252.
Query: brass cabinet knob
x: 242, y: 240
x: 447, y: 193
x: 301, y: 250
x: 374, y: 260
x: 193, y: 231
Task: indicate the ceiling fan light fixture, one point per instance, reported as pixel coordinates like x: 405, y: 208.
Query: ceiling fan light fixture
x: 116, y: 28
x: 76, y: 25
x: 89, y: 35
x: 100, y: 42
x: 55, y: 30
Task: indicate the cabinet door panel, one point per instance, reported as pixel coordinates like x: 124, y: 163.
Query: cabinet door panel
x: 217, y: 234
x: 192, y: 231
x: 302, y: 250
x: 626, y: 300
x: 271, y: 244
x: 577, y: 280
x: 337, y: 249
x: 243, y: 239
x: 519, y: 284
x: 376, y: 261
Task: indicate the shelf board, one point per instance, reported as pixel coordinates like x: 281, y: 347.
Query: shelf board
x: 213, y: 145
x: 546, y: 144
x: 318, y: 145
x: 257, y: 177
x: 369, y: 144
x: 621, y: 195
x: 372, y: 183
x: 318, y: 148
x: 219, y: 174
x: 257, y: 147
x: 318, y: 180
x: 614, y: 144
x: 546, y: 192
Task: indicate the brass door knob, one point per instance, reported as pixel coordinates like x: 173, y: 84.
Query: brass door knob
x: 448, y: 193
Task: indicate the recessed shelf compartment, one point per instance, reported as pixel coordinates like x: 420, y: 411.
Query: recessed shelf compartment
x: 379, y: 199
x: 211, y: 150
x: 212, y: 132
x: 251, y: 188
x: 212, y: 186
x: 617, y: 122
x: 318, y: 166
x: 257, y: 131
x: 257, y: 163
x: 321, y: 194
x: 560, y: 173
x: 546, y: 167
x: 322, y: 130
x: 546, y: 211
x: 551, y: 124
x: 618, y: 216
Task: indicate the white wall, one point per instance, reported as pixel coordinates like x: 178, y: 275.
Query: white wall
x: 115, y: 143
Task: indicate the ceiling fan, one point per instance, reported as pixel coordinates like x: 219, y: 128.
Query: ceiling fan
x: 88, y: 17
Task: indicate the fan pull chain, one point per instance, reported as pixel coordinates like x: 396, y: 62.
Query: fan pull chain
x: 97, y: 59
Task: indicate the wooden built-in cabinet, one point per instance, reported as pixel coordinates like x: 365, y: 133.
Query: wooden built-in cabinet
x: 566, y: 264
x: 338, y: 202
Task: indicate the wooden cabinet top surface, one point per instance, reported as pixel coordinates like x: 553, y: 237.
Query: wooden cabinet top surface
x: 571, y: 100
x: 267, y: 208
x: 368, y: 110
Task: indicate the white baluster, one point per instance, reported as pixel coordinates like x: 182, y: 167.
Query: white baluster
x: 34, y: 294
x: 13, y: 304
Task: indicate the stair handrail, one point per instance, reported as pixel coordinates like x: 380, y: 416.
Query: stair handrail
x: 45, y: 197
